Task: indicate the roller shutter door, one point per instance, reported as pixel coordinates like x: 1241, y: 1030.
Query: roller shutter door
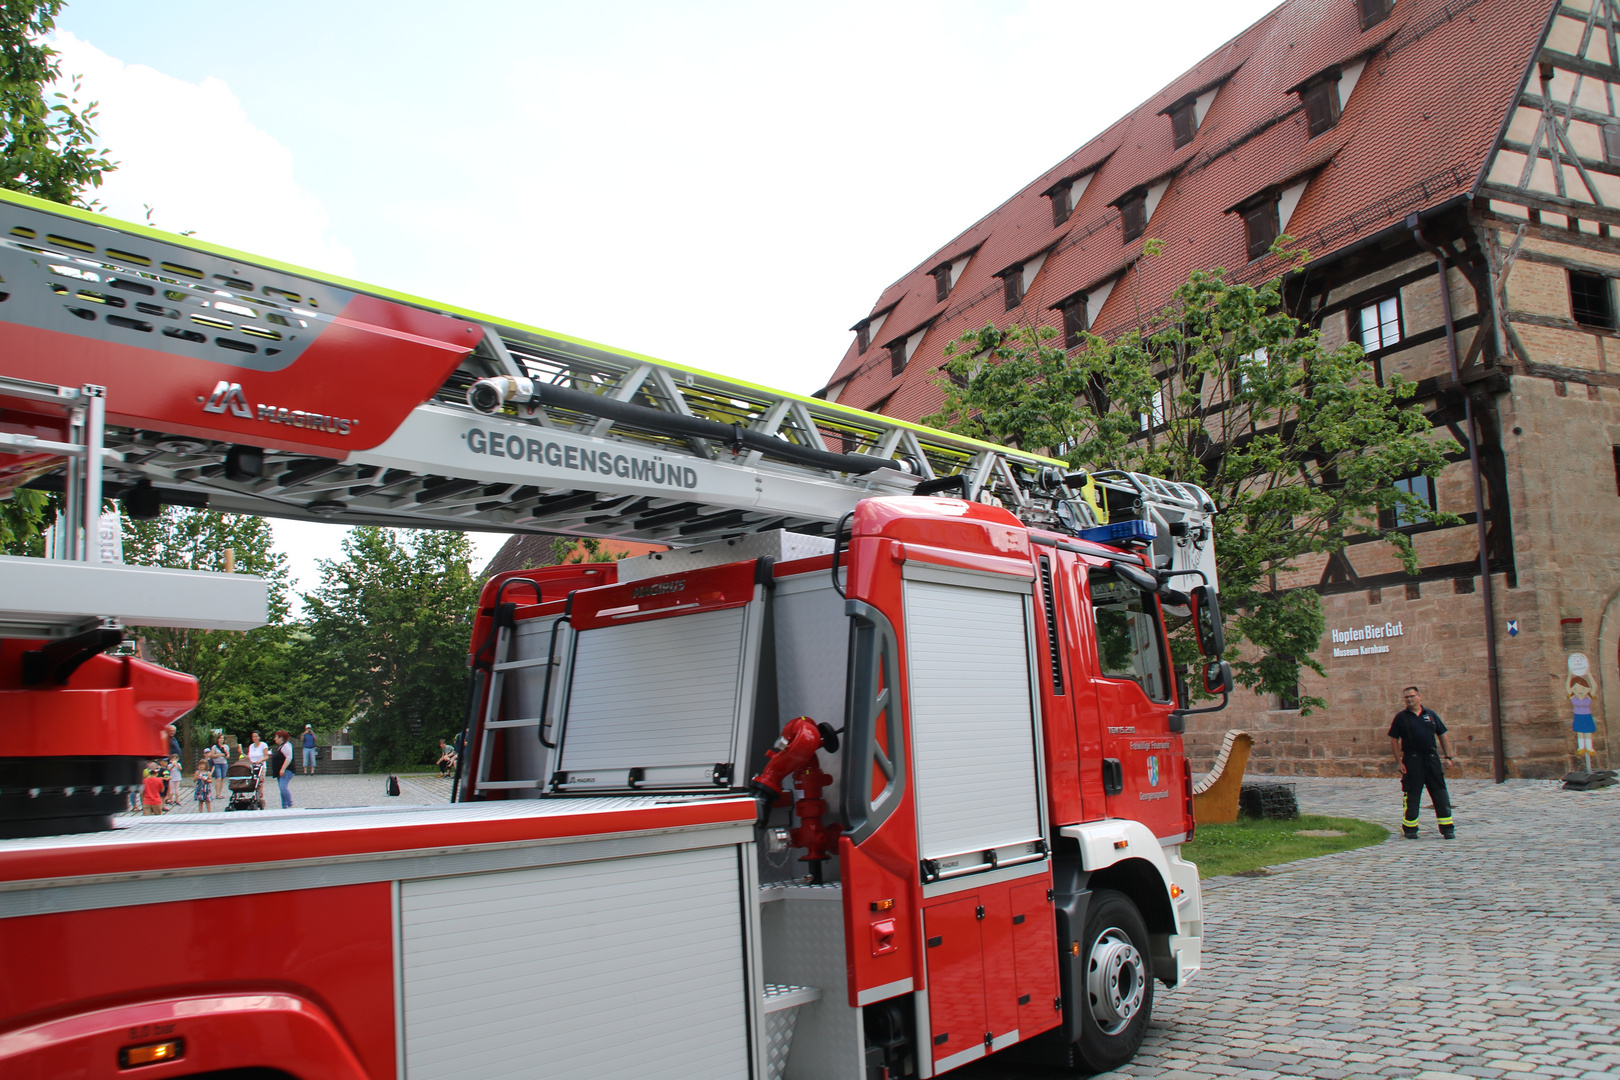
x: 630, y: 968
x: 972, y: 723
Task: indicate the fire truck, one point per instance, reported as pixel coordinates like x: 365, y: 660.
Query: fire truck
x: 875, y: 771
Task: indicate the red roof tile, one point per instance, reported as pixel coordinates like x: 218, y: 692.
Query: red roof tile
x: 1416, y: 131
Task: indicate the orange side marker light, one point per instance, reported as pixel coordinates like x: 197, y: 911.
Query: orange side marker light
x: 151, y: 1054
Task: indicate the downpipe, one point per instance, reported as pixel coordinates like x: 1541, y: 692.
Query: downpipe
x: 1487, y: 591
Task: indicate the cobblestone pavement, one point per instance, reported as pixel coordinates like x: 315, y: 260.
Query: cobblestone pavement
x: 1494, y: 955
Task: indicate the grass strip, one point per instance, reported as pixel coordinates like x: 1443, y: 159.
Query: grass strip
x: 1248, y: 844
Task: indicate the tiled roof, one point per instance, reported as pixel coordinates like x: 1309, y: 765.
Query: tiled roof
x: 1416, y: 131
x: 527, y: 550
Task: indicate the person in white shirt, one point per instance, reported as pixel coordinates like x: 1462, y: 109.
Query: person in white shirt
x: 257, y: 751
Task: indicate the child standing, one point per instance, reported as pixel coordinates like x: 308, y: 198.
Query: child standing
x: 204, y: 796
x: 151, y: 793
x: 176, y: 771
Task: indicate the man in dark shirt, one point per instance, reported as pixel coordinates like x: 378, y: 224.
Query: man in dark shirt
x: 1412, y: 737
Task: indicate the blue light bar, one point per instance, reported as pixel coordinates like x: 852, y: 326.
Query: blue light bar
x: 1121, y: 533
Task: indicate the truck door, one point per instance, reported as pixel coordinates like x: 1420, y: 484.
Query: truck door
x: 1141, y: 762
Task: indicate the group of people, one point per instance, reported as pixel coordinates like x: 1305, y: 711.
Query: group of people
x: 161, y: 780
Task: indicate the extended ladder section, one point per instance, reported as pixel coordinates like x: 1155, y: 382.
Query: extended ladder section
x: 249, y: 386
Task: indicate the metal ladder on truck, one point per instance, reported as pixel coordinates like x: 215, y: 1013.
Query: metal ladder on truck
x: 250, y: 386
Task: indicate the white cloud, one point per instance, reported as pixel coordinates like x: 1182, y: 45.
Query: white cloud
x: 189, y: 151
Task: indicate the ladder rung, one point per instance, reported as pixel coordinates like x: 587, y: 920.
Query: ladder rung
x: 506, y: 785
x: 496, y: 725
x: 508, y: 665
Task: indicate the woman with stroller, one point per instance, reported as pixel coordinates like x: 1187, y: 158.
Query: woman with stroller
x: 281, y: 766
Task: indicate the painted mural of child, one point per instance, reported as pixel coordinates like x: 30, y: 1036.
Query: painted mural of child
x: 1578, y: 688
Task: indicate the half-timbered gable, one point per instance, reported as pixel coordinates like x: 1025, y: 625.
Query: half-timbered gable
x: 1452, y: 168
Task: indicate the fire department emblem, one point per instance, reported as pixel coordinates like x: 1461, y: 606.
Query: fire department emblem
x: 1153, y: 771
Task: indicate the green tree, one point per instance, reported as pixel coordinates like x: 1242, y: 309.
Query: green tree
x: 392, y: 620
x: 46, y: 149
x: 578, y: 549
x: 47, y: 143
x: 1297, y: 443
x: 223, y: 661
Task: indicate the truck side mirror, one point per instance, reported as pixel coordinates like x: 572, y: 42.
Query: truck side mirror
x: 1218, y: 678
x: 1207, y: 622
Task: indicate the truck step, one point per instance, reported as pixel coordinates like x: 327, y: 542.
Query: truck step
x: 780, y: 996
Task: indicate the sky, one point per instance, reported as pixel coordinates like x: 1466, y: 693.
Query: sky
x: 728, y: 186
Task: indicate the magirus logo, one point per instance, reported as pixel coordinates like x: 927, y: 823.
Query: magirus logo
x: 229, y: 397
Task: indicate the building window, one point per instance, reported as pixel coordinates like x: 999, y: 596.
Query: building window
x: 862, y: 339
x: 1074, y: 321
x: 1060, y: 203
x: 1322, y: 103
x: 1420, y: 486
x: 1184, y: 123
x: 1288, y: 700
x: 1617, y: 470
x: 1611, y: 143
x: 1155, y: 419
x: 1133, y: 214
x: 1012, y: 286
x: 942, y: 282
x: 1591, y: 300
x: 897, y: 357
x: 1381, y: 324
x: 1373, y: 12
x: 1261, y: 227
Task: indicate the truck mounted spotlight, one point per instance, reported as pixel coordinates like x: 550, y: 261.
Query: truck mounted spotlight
x: 488, y: 395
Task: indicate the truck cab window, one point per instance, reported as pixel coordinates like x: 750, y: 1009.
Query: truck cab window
x: 1130, y: 644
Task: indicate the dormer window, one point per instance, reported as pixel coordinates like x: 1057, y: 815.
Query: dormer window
x: 897, y: 357
x: 1321, y: 98
x: 1183, y: 123
x: 946, y: 274
x: 1074, y: 320
x: 1016, y: 279
x: 1012, y: 287
x: 1373, y: 12
x: 1133, y: 213
x: 1260, y: 223
x: 1060, y: 204
x: 902, y: 349
x: 866, y: 331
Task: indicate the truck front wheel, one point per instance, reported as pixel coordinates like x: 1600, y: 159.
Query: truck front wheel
x: 1117, y: 997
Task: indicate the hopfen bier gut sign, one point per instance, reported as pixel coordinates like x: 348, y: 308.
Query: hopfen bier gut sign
x: 1366, y: 640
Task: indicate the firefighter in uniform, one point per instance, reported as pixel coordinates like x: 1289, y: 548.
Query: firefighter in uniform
x: 1412, y: 736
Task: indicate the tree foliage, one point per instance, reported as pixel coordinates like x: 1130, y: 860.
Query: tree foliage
x: 46, y: 149
x: 392, y: 619
x: 1297, y: 443
x: 47, y: 138
x: 226, y: 663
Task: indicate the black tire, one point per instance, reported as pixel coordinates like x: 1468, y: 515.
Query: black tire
x: 1120, y: 966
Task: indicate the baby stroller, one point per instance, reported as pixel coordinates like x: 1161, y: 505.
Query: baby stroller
x: 246, y: 784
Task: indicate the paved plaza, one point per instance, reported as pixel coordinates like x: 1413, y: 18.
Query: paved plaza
x: 332, y: 792
x: 1493, y: 955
